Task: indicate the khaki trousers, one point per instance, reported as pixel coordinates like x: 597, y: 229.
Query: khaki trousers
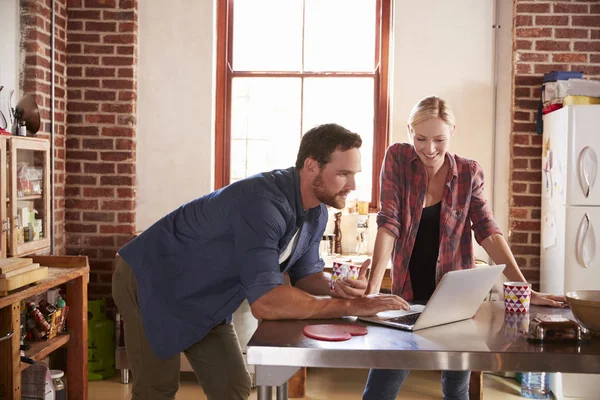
x: 217, y: 359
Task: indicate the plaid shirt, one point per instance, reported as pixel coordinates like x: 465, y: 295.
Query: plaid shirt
x: 403, y: 188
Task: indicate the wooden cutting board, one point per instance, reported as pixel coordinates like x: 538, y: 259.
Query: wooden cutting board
x: 10, y: 264
x: 20, y: 270
x: 23, y: 279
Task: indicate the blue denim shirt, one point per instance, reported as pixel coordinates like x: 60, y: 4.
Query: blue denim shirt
x: 196, y: 265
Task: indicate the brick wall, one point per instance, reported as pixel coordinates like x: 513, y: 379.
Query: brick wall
x: 36, y: 80
x: 101, y: 99
x: 548, y: 35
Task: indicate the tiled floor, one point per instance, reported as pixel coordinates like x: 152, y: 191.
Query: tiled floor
x: 330, y: 384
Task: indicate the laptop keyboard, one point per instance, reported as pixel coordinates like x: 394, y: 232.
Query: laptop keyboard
x: 406, y: 319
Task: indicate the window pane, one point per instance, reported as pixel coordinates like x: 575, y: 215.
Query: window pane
x: 265, y: 124
x: 267, y: 35
x: 348, y: 102
x: 339, y: 35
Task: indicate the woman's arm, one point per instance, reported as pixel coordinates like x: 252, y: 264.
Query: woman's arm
x: 384, y: 244
x: 500, y: 253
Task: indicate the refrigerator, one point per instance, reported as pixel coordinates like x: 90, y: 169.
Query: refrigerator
x: 570, y: 217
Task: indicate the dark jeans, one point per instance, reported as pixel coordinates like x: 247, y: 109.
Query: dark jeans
x: 384, y: 384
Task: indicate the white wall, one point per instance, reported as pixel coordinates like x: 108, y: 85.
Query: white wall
x: 9, y: 50
x: 443, y: 48
x: 175, y: 138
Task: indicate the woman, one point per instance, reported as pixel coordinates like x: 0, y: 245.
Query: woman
x: 430, y: 201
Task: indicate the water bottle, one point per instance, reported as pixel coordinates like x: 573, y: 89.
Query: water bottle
x: 535, y: 385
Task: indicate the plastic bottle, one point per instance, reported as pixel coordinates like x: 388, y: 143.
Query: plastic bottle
x: 535, y: 385
x: 59, y: 385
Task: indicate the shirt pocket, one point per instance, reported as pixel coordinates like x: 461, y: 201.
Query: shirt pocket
x: 455, y: 221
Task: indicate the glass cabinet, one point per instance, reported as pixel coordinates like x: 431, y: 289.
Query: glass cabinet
x: 25, y: 195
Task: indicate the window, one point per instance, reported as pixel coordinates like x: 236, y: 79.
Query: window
x: 286, y: 66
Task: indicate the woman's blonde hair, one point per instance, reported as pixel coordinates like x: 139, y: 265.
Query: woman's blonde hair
x: 431, y: 107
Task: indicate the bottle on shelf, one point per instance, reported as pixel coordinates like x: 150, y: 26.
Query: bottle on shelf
x: 535, y: 385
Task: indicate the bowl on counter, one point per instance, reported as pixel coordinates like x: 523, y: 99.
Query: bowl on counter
x: 585, y: 305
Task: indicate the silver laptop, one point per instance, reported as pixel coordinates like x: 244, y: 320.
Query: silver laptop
x: 457, y: 297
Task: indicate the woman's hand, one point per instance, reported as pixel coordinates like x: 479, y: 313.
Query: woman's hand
x: 545, y: 299
x: 348, y: 288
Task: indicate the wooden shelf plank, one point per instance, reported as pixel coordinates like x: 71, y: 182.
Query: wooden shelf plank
x: 56, y: 276
x: 40, y: 349
x: 30, y: 197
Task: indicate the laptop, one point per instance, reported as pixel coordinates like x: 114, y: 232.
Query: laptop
x: 457, y: 297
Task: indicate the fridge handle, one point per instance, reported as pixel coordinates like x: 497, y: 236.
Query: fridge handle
x: 584, y: 179
x: 581, y: 237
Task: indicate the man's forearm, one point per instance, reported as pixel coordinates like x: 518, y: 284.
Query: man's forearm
x: 315, y: 284
x: 287, y: 302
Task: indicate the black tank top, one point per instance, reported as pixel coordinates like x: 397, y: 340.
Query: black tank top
x: 425, y: 253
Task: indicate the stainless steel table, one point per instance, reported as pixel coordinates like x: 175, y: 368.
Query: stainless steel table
x: 490, y: 341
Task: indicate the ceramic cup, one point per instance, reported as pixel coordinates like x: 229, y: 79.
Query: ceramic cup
x: 517, y: 296
x: 342, y: 270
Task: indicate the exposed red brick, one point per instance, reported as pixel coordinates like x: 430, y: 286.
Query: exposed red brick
x: 98, y: 144
x: 588, y: 70
x: 100, y: 95
x: 117, y: 180
x: 525, y: 225
x: 93, y: 26
x: 523, y: 68
x: 100, y: 72
x: 554, y: 20
x: 99, y: 216
x: 83, y: 14
x: 119, y: 15
x: 115, y: 156
x: 534, y: 32
x: 523, y: 44
x: 537, y: 8
x: 98, y: 49
x: 126, y: 217
x: 99, y: 168
x: 595, y: 58
x: 527, y: 176
x: 521, y: 139
x: 523, y: 92
x: 86, y: 130
x: 522, y: 116
x: 595, y: 34
x: 125, y: 169
x: 125, y: 192
x: 118, y: 132
x: 569, y: 57
x: 524, y: 127
x: 519, y: 187
x: 98, y: 192
x: 518, y: 213
x: 523, y: 20
x: 545, y: 68
x: 552, y: 45
x: 566, y: 33
x: 519, y: 163
x: 524, y: 250
x: 82, y: 204
x: 587, y: 46
x: 540, y: 57
x: 587, y: 20
x: 100, y: 119
x: 81, y: 228
x: 100, y: 3
x: 563, y: 8
x: 519, y: 238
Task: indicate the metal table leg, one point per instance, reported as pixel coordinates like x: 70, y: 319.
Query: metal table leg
x: 264, y: 392
x: 125, y: 376
x: 282, y: 392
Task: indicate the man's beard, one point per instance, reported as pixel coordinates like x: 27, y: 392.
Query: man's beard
x: 334, y: 200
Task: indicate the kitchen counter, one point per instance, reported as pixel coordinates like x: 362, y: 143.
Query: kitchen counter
x: 490, y: 341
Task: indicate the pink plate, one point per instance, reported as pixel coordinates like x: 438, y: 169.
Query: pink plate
x: 334, y: 332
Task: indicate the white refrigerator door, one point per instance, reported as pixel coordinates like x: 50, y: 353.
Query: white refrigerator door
x: 583, y: 177
x: 582, y: 248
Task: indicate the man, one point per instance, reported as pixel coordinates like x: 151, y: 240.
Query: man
x: 178, y: 283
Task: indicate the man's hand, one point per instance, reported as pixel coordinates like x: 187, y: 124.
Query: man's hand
x: 348, y: 288
x: 371, y: 305
x: 545, y: 299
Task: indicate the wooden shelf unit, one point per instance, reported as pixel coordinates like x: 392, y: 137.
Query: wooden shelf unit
x: 73, y: 272
x: 33, y: 152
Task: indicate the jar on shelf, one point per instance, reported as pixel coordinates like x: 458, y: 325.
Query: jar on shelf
x: 59, y: 385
